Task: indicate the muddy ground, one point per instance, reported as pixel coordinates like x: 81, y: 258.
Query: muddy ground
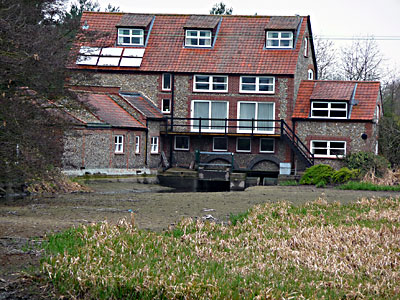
x: 25, y: 222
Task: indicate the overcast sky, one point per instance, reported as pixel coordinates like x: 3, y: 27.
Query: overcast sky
x: 330, y: 19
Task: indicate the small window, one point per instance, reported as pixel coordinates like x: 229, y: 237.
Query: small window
x: 119, y: 144
x: 220, y: 144
x: 279, y: 39
x: 305, y: 47
x: 130, y: 37
x: 181, y: 143
x: 310, y: 74
x: 198, y: 38
x: 166, y: 82
x: 154, y: 144
x: 257, y: 84
x: 137, y: 144
x: 267, y: 145
x: 331, y: 149
x: 166, y: 106
x: 334, y: 110
x: 243, y: 145
x: 208, y: 83
x: 378, y: 114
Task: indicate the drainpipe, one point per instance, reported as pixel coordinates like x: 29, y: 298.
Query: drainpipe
x: 293, y: 156
x: 171, y: 140
x: 146, y: 141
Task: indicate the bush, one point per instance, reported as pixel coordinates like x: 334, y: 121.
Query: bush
x: 366, y: 161
x: 319, y: 175
x: 344, y: 175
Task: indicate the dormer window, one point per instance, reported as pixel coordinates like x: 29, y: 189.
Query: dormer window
x: 198, y: 38
x: 333, y: 110
x: 130, y: 37
x: 280, y: 39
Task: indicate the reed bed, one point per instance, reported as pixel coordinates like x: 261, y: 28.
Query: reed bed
x: 275, y: 251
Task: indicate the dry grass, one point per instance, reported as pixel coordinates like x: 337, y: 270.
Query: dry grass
x: 278, y: 251
x: 390, y: 178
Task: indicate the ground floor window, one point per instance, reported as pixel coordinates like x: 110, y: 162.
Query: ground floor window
x: 243, y: 145
x: 220, y: 144
x: 267, y: 145
x: 181, y: 143
x: 154, y: 144
x: 119, y: 144
x: 137, y: 144
x: 328, y: 148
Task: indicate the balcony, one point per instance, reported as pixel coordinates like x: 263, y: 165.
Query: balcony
x: 238, y: 127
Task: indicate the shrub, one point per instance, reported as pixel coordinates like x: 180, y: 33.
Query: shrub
x: 319, y: 175
x: 366, y: 161
x: 344, y: 175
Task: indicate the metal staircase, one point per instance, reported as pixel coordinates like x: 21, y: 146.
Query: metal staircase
x: 296, y: 144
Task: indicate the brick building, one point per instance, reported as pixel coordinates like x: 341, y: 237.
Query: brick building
x: 218, y: 84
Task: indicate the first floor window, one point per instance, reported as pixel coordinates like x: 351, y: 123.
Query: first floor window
x: 337, y: 110
x: 257, y: 84
x: 119, y: 143
x: 243, y: 145
x: 131, y: 36
x: 166, y: 82
x: 198, y: 38
x: 210, y: 83
x: 279, y: 39
x: 220, y: 144
x: 310, y: 74
x: 212, y: 114
x: 166, y: 106
x: 181, y: 143
x: 154, y: 144
x: 258, y: 116
x: 267, y: 145
x: 328, y: 148
x: 137, y: 144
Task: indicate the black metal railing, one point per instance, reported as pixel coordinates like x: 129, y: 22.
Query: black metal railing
x: 288, y: 133
x: 215, y: 125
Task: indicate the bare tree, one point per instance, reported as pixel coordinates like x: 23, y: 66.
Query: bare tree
x: 325, y: 53
x: 221, y: 9
x: 361, y: 61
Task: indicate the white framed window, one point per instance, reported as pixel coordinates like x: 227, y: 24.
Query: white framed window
x: 310, y: 74
x: 210, y: 83
x: 305, y: 47
x: 220, y: 144
x: 243, y: 144
x: 208, y: 110
x: 267, y: 145
x: 378, y: 114
x: 332, y: 149
x: 181, y: 143
x: 119, y: 144
x: 166, y: 106
x: 257, y: 84
x: 154, y: 144
x: 334, y: 110
x: 130, y: 37
x: 166, y: 81
x: 198, y: 38
x: 264, y: 111
x: 280, y: 39
x: 137, y: 144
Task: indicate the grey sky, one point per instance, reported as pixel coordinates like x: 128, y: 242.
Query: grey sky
x: 330, y: 19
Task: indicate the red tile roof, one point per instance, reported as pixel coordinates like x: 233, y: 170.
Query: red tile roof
x: 279, y: 23
x: 239, y: 45
x: 208, y: 22
x: 367, y: 94
x: 131, y: 20
x: 108, y: 111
